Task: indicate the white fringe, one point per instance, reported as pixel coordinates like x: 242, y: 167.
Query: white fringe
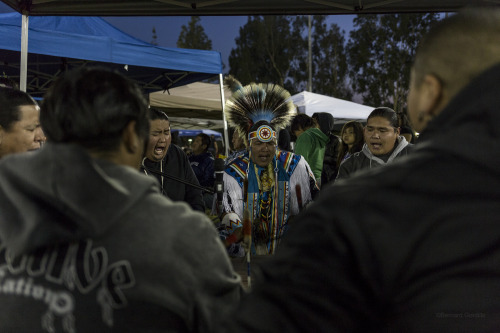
x: 300, y: 176
x: 235, y: 192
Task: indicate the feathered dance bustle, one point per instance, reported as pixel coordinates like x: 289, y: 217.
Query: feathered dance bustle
x: 255, y: 102
x: 233, y: 84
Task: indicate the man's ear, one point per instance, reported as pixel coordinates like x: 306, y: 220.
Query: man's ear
x: 130, y: 138
x: 432, y: 96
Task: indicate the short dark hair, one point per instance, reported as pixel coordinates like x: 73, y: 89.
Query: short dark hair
x: 205, y: 140
x: 157, y: 114
x: 459, y: 48
x: 302, y: 121
x: 91, y: 107
x: 386, y: 113
x: 10, y: 101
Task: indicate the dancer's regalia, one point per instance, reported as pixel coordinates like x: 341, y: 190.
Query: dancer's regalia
x: 260, y: 111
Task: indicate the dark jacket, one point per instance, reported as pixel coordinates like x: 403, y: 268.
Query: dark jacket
x: 91, y: 246
x: 364, y: 159
x: 332, y: 150
x: 326, y: 124
x: 203, y: 167
x: 410, y: 247
x: 176, y: 164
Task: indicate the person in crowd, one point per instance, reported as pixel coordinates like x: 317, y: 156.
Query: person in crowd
x: 413, y: 246
x: 278, y: 183
x: 202, y: 163
x: 284, y: 140
x: 382, y: 145
x: 352, y: 140
x: 87, y: 242
x: 405, y: 128
x: 20, y: 129
x: 238, y: 148
x: 330, y: 168
x: 311, y: 142
x: 213, y: 148
x: 172, y: 164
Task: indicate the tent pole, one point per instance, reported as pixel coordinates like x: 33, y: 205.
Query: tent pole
x: 24, y: 53
x: 223, y: 103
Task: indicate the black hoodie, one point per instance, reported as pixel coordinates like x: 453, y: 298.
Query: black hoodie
x: 329, y: 171
x: 411, y: 247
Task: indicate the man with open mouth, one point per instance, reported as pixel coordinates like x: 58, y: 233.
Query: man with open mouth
x: 269, y: 184
x: 383, y: 143
x: 167, y: 158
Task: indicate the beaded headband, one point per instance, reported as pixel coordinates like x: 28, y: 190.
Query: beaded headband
x: 264, y: 133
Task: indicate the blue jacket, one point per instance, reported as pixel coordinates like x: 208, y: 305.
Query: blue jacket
x: 203, y: 167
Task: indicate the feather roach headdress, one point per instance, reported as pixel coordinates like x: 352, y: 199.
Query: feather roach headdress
x: 258, y: 110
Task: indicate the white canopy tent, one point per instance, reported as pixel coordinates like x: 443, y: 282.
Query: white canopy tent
x: 195, y: 96
x: 341, y: 110
x: 198, y: 106
x: 192, y: 106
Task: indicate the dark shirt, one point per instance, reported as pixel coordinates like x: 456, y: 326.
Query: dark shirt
x: 203, y: 167
x: 176, y: 164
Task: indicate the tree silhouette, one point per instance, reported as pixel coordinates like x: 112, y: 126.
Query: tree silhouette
x: 381, y: 50
x: 193, y: 36
x: 329, y: 60
x: 264, y: 51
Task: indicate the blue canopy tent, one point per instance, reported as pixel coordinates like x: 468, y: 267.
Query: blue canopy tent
x: 36, y: 53
x: 57, y: 43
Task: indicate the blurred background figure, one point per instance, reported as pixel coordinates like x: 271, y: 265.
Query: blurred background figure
x: 311, y: 143
x: 284, y: 140
x: 405, y: 127
x: 202, y: 163
x: 20, y: 129
x: 332, y: 150
x: 214, y: 147
x: 238, y: 146
x: 352, y: 140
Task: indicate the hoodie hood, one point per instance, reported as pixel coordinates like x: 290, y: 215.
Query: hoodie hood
x: 471, y: 119
x: 317, y: 135
x: 402, y: 143
x: 325, y: 121
x: 61, y: 193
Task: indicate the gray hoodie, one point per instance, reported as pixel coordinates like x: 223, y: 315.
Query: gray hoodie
x: 90, y: 246
x: 364, y: 159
